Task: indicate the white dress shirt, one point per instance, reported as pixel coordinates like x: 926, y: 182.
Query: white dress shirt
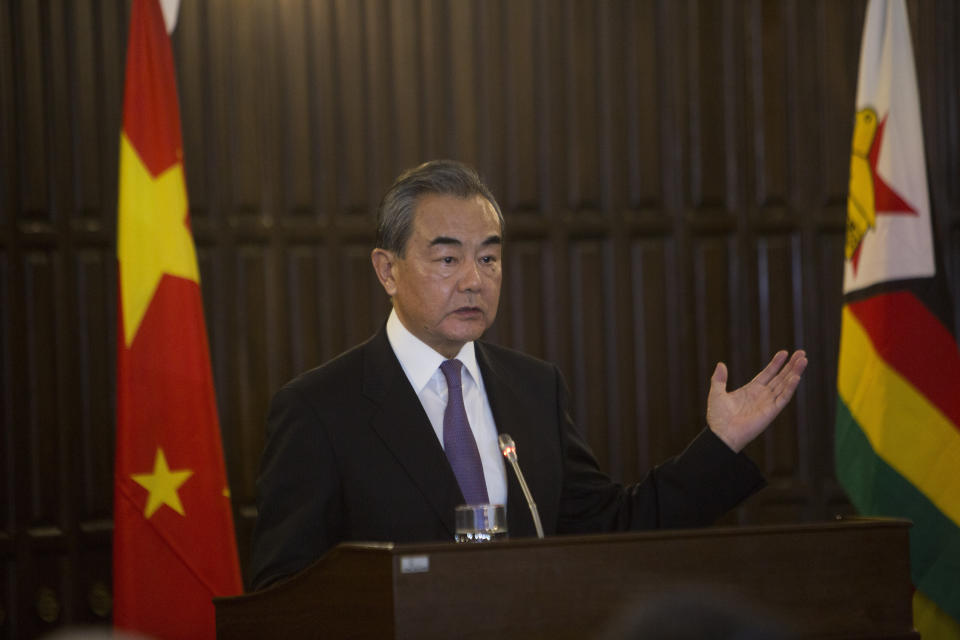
x: 421, y: 364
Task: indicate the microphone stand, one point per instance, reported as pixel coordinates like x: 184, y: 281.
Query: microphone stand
x: 509, y: 450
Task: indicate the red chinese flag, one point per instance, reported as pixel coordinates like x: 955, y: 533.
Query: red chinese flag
x: 173, y: 544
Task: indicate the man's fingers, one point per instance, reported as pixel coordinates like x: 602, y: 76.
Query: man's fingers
x: 789, y: 377
x: 786, y: 393
x: 769, y: 371
x: 719, y: 378
x: 799, y: 358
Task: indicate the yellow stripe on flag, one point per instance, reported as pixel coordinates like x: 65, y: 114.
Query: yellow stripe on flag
x: 931, y: 621
x: 906, y: 430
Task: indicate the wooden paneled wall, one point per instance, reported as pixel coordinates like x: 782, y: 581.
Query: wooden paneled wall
x: 673, y: 175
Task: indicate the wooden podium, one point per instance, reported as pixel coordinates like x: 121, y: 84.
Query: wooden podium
x: 842, y: 579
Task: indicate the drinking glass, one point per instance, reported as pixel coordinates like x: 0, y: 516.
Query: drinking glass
x: 480, y: 522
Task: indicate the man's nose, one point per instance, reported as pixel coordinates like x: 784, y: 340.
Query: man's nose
x: 470, y: 279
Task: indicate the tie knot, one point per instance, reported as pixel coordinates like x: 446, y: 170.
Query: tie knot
x: 451, y: 371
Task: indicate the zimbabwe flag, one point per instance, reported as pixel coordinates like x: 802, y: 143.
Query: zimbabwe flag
x: 173, y: 544
x: 898, y: 410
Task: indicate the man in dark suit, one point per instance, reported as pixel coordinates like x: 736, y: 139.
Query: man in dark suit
x: 384, y: 441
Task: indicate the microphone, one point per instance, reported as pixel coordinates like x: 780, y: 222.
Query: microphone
x: 509, y: 450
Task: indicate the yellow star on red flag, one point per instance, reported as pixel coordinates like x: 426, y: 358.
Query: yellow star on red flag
x: 153, y: 238
x: 162, y: 485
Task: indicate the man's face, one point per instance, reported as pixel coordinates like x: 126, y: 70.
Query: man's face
x: 446, y: 288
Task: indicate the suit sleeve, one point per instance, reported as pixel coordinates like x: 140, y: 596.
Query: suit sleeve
x: 692, y: 489
x: 298, y: 493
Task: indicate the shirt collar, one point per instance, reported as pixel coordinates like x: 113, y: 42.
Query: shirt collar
x: 419, y: 361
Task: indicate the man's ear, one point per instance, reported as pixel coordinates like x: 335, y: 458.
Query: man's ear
x: 384, y: 263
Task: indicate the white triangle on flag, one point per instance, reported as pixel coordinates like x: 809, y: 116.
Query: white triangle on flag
x: 171, y: 9
x: 899, y: 246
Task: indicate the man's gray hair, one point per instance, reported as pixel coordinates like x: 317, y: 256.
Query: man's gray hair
x: 441, y: 177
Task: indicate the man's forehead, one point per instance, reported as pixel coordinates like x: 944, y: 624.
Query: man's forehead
x: 449, y: 216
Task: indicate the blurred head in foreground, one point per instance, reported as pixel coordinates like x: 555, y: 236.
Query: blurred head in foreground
x: 686, y: 614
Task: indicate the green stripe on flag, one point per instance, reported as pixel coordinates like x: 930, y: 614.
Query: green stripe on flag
x: 876, y: 489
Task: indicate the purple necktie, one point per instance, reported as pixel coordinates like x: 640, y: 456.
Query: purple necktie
x: 458, y: 440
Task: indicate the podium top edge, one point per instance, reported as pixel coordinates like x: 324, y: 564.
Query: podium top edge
x: 846, y: 522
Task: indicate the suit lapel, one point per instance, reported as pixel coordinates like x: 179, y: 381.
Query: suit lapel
x: 514, y: 417
x: 405, y: 429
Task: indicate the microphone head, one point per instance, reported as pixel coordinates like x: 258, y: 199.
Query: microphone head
x: 507, y: 446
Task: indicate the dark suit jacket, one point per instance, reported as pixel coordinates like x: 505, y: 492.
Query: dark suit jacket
x: 351, y: 455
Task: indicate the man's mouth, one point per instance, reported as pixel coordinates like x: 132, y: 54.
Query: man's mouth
x: 468, y: 311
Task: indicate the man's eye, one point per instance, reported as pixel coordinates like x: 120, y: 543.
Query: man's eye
x: 447, y: 259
